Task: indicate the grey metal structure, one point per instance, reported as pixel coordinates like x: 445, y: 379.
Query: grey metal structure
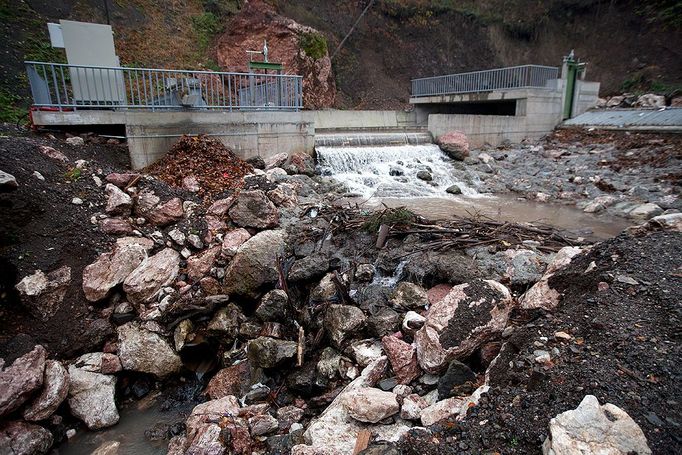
x: 664, y: 119
x: 68, y: 87
x: 524, y: 76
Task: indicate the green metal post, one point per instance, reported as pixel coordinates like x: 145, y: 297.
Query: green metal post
x: 572, y: 73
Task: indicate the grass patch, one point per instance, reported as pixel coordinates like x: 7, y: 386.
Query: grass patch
x: 206, y: 26
x: 9, y: 107
x: 388, y: 216
x: 313, y: 44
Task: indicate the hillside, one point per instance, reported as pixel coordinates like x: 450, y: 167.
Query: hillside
x: 629, y: 45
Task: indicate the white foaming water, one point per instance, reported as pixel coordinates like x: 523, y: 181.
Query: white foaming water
x: 391, y: 171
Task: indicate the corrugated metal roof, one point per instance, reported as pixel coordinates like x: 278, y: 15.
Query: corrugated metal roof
x: 623, y: 118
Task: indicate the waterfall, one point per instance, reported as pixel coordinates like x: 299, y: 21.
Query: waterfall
x: 391, y: 171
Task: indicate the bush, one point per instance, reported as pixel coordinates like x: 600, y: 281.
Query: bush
x: 313, y: 44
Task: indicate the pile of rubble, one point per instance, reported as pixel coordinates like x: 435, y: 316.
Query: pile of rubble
x: 317, y: 338
x: 202, y: 165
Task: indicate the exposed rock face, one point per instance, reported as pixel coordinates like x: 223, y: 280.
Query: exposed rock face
x: 145, y: 351
x: 266, y: 352
x: 111, y: 269
x: 258, y: 21
x: 118, y: 202
x: 591, y: 428
x: 671, y: 221
x: 151, y: 275
x: 55, y: 390
x: 334, y: 431
x: 466, y: 318
x: 403, y: 358
x: 371, y: 405
x: 455, y: 144
x: 43, y: 294
x: 21, y: 438
x: 342, y: 320
x: 91, y: 398
x: 20, y: 380
x: 541, y: 295
x: 254, y: 209
x: 255, y: 264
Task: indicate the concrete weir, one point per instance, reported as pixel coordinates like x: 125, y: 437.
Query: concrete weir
x: 151, y: 134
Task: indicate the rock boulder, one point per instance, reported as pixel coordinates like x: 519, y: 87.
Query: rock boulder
x: 145, y: 351
x: 455, y: 144
x: 153, y: 273
x: 91, y: 398
x: 21, y: 380
x: 591, y: 428
x: 471, y: 314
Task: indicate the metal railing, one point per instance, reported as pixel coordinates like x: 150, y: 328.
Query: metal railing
x: 524, y: 76
x: 67, y: 87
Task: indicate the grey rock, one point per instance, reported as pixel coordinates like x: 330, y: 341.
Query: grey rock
x: 591, y: 428
x: 7, y: 182
x: 273, y: 306
x: 424, y: 175
x: 266, y: 352
x: 453, y: 189
x: 145, y: 351
x: 91, y: 398
x: 55, y: 389
x: 254, y: 209
x: 341, y: 321
x: 255, y: 265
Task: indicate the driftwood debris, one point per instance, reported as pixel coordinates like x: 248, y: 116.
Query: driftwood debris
x: 457, y: 233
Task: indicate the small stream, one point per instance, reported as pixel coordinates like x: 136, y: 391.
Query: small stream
x: 377, y: 175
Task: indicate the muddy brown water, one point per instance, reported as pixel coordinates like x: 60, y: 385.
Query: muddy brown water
x: 129, y: 432
x: 508, y: 208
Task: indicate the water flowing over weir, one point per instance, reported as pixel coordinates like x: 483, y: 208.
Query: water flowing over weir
x: 389, y: 170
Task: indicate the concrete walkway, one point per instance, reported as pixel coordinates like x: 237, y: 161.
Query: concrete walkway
x: 667, y: 120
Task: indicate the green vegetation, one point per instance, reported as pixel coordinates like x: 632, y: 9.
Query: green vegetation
x: 399, y: 215
x: 73, y: 174
x: 39, y: 49
x: 9, y: 109
x: 313, y: 44
x: 639, y: 84
x: 206, y: 26
x: 221, y: 8
x: 666, y: 12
